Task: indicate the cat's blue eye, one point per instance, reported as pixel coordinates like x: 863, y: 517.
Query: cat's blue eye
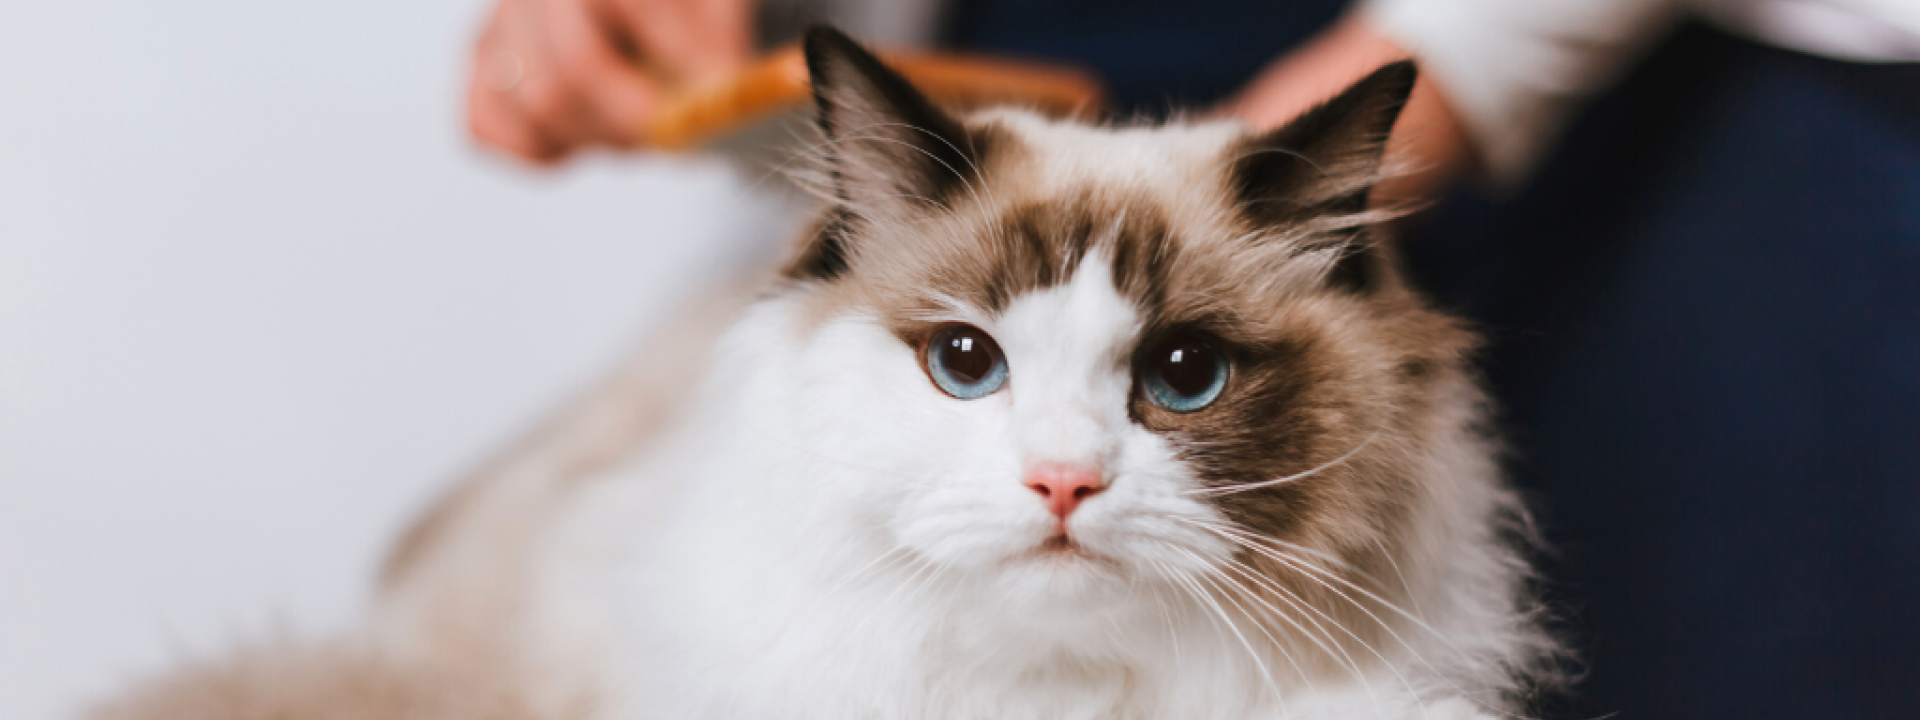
x: 965, y: 362
x: 1184, y: 373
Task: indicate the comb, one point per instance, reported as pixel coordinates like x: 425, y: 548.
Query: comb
x: 777, y: 84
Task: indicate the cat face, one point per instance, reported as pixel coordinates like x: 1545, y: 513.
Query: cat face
x: 1075, y: 359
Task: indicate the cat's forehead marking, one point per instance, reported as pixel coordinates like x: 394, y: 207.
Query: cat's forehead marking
x: 1060, y: 157
x: 1154, y: 203
x: 1043, y: 244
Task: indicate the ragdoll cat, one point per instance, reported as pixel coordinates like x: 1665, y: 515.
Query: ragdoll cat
x: 1045, y: 420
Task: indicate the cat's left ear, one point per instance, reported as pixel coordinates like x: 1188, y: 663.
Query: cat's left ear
x: 1325, y: 162
x: 889, y: 149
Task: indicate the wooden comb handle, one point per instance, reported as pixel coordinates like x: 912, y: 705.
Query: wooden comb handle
x: 691, y: 117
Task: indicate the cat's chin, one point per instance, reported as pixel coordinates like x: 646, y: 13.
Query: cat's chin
x: 1060, y: 571
x: 1061, y: 554
x: 1062, y: 551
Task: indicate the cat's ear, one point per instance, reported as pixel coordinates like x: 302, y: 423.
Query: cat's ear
x: 890, y: 151
x: 1324, y: 163
x: 1326, y: 160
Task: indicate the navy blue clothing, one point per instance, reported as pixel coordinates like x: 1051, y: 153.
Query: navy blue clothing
x: 1706, y: 320
x: 1704, y: 324
x: 1155, y: 56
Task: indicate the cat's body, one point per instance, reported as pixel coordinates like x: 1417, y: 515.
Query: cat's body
x: 830, y: 523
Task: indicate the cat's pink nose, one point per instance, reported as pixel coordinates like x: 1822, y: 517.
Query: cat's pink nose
x: 1063, y: 486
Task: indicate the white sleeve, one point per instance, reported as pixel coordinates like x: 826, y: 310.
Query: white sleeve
x: 1514, y: 70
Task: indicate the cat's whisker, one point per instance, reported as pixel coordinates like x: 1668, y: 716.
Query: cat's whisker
x: 889, y: 559
x: 1243, y: 487
x: 939, y: 571
x: 805, y: 164
x: 1405, y: 588
x: 1330, y: 645
x: 874, y: 611
x: 1173, y: 634
x: 1236, y: 159
x: 1218, y: 617
x: 887, y: 556
x: 1236, y: 533
x: 1308, y: 611
x: 1411, y: 650
x: 879, y: 224
x: 1209, y: 575
x: 1438, y: 674
x: 1331, y: 185
x: 921, y: 198
x: 1260, y: 544
x: 965, y: 156
x: 962, y: 177
x: 1315, y: 574
x: 826, y: 191
x: 1200, y: 594
x: 1317, y: 571
x: 812, y: 154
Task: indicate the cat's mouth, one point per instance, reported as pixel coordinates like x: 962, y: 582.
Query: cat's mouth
x: 1059, y: 542
x: 1061, y: 547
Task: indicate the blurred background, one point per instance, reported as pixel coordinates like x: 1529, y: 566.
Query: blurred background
x: 260, y: 297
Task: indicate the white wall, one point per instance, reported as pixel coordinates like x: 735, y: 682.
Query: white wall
x: 259, y: 298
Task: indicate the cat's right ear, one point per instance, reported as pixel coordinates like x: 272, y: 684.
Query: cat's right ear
x: 890, y: 151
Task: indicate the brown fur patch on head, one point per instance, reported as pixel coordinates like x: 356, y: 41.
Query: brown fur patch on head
x: 1026, y: 247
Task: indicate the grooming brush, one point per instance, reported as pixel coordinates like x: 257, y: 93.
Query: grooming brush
x: 775, y: 89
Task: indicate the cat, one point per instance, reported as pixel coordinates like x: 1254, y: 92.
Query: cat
x: 1043, y: 419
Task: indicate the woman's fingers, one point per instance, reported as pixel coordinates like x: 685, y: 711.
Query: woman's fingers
x: 554, y: 76
x: 495, y: 115
x: 496, y: 122
x: 689, y: 41
x: 608, y: 96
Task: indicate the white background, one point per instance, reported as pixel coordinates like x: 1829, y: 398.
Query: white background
x: 259, y: 299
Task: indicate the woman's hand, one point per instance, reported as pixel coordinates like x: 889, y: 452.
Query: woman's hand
x: 551, y: 77
x: 1428, y: 136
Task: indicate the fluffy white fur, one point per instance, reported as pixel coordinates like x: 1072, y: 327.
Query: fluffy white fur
x: 829, y: 536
